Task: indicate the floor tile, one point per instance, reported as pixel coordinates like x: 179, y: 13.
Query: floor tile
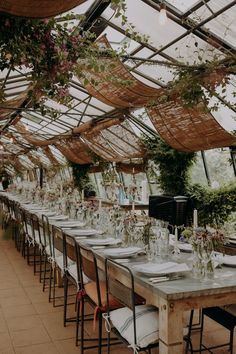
x: 23, y: 323
x: 31, y: 336
x: 5, y: 293
x: 3, y: 324
x: 46, y: 348
x: 19, y: 311
x: 54, y: 325
x: 36, y: 294
x: 66, y: 346
x: 45, y: 308
x: 5, y: 342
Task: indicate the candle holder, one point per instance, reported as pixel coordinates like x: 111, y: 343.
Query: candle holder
x: 176, y: 250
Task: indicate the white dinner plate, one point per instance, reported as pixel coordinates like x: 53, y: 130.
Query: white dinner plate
x: 84, y: 232
x: 233, y: 241
x: 185, y: 247
x: 58, y: 217
x: 151, y: 269
x: 49, y: 213
x: 103, y: 241
x: 71, y: 224
x: 120, y: 252
x: 229, y: 261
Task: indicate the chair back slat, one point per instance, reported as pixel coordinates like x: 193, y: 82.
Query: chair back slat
x: 46, y: 231
x: 36, y: 227
x: 88, y: 264
x: 57, y: 240
x: 123, y: 293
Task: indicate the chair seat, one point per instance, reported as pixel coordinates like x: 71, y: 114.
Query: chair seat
x: 231, y: 309
x: 60, y: 263
x: 48, y: 251
x: 147, y: 324
x: 34, y: 237
x: 222, y: 316
x: 91, y: 291
x: 72, y: 270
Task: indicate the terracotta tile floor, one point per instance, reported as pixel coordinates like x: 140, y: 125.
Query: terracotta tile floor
x: 29, y: 324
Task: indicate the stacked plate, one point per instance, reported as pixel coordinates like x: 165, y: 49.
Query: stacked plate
x: 103, y: 241
x: 166, y: 268
x: 84, y: 232
x: 58, y: 217
x: 229, y: 261
x: 69, y: 224
x: 232, y: 239
x: 122, y: 252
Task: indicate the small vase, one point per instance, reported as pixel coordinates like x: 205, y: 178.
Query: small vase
x: 197, y: 266
x: 209, y: 269
x: 203, y: 263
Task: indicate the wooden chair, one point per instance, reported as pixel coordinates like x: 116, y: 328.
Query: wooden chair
x: 93, y: 292
x: 137, y: 325
x: 226, y: 317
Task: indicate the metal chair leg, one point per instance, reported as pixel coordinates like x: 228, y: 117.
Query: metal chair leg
x: 50, y: 283
x: 82, y: 327
x: 40, y: 266
x: 188, y: 337
x: 99, y: 332
x: 65, y: 281
x: 231, y: 341
x: 201, y: 333
x: 77, y: 323
x: 44, y: 271
x: 54, y: 287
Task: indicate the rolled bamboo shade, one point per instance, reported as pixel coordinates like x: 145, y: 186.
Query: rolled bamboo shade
x: 188, y: 129
x: 74, y: 150
x: 50, y: 156
x: 37, y: 8
x: 116, y: 143
x: 10, y: 106
x: 108, y: 85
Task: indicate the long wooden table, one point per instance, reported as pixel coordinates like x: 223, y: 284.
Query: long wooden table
x: 176, y: 296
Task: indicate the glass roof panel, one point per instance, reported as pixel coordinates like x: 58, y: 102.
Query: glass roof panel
x: 117, y: 40
x: 147, y: 25
x: 145, y: 80
x: 191, y: 49
x: 182, y: 5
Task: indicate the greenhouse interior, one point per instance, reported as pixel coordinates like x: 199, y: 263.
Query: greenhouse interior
x: 117, y: 176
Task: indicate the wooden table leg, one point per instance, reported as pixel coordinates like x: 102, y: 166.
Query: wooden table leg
x: 171, y: 328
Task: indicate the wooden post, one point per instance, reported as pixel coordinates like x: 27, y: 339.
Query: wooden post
x: 41, y: 177
x: 171, y: 329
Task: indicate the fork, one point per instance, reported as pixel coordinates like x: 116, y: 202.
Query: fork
x: 164, y: 278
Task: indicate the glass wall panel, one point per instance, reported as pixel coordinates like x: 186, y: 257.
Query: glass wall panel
x: 198, y: 172
x: 219, y: 166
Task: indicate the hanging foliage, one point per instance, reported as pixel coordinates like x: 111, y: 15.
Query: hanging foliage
x: 81, y: 176
x: 174, y: 165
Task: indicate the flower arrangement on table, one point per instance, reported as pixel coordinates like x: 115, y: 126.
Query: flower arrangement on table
x: 205, y: 243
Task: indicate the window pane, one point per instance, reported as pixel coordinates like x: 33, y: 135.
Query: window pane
x: 197, y: 172
x: 219, y: 165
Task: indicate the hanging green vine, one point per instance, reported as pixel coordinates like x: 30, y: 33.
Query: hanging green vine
x: 174, y: 165
x: 81, y: 176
